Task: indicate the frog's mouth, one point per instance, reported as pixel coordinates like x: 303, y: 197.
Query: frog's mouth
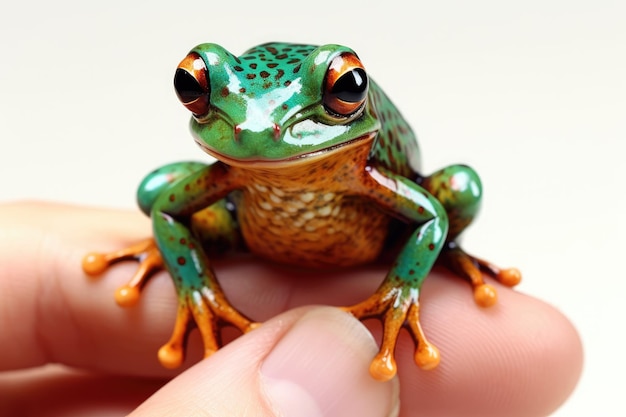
x: 299, y: 158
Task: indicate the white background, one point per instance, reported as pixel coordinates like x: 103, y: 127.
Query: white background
x: 531, y: 93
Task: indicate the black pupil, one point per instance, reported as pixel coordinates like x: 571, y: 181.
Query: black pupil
x: 187, y: 87
x: 351, y: 86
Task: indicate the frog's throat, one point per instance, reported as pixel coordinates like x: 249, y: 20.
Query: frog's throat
x: 303, y: 158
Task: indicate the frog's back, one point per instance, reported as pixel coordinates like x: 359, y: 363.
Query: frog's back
x: 396, y: 146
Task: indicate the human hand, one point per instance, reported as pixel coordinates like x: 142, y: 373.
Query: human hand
x: 518, y: 358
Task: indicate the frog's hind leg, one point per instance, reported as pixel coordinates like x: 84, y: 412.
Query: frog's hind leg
x: 459, y: 190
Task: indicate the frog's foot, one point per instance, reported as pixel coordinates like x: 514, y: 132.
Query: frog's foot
x: 145, y: 252
x: 396, y: 308
x: 472, y: 268
x: 210, y: 311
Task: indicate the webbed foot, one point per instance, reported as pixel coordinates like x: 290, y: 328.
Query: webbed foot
x: 210, y: 311
x: 396, y: 307
x: 472, y: 268
x: 203, y: 305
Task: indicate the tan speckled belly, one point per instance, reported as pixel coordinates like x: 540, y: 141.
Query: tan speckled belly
x: 312, y: 228
x: 310, y: 214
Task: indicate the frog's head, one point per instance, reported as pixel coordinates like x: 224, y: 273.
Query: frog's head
x: 276, y: 102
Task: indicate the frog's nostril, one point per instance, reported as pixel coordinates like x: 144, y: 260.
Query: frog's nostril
x: 274, y: 131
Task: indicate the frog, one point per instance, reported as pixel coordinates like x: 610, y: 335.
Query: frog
x: 314, y: 166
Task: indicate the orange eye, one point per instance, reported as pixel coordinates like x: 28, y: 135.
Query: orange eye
x: 345, y: 85
x: 191, y: 83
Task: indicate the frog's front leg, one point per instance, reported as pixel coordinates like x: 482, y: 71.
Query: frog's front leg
x: 200, y: 296
x: 396, y: 302
x: 146, y: 251
x: 459, y: 189
x: 174, y: 212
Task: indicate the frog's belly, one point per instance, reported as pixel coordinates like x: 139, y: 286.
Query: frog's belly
x: 312, y: 229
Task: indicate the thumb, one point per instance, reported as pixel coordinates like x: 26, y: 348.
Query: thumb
x: 306, y: 362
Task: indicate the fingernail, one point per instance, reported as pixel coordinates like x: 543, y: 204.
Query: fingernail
x: 320, y: 369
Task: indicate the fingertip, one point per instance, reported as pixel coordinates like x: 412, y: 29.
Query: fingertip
x: 520, y: 357
x: 309, y: 361
x: 327, y: 355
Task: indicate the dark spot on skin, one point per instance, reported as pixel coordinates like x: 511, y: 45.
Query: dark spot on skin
x: 183, y: 241
x: 172, y: 197
x: 250, y: 76
x: 431, y: 247
x: 281, y: 56
x: 293, y: 61
x: 191, y: 245
x: 238, y: 68
x: 411, y: 272
x: 285, y: 107
x: 279, y: 74
x: 249, y: 57
x: 296, y: 69
x: 181, y: 260
x: 267, y: 85
x: 242, y: 90
x: 272, y: 65
x: 264, y: 74
x: 420, y: 209
x: 225, y: 92
x: 287, y: 83
x: 253, y: 66
x: 272, y: 50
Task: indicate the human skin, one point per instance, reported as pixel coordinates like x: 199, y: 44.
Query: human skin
x: 521, y: 357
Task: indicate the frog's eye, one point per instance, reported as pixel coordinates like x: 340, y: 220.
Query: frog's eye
x: 345, y: 85
x: 192, y: 84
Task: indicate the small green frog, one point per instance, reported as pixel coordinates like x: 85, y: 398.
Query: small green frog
x: 315, y: 168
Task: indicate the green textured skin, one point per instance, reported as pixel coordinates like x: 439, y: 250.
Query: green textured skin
x: 267, y: 107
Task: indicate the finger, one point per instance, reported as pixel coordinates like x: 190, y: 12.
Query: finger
x: 307, y: 362
x: 518, y: 358
x: 49, y: 310
x: 488, y: 343
x: 56, y: 391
